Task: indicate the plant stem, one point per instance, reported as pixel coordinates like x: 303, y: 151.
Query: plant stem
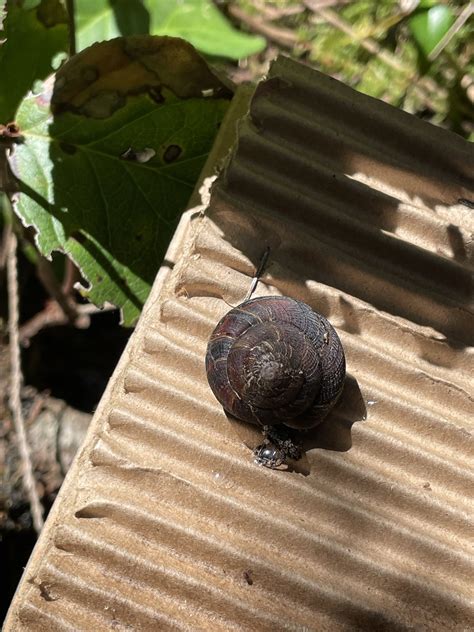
x: 50, y: 282
x: 458, y: 24
x: 15, y: 386
x: 422, y: 86
x: 283, y: 37
x: 71, y: 27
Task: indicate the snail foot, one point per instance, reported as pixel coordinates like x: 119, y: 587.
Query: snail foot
x: 277, y: 449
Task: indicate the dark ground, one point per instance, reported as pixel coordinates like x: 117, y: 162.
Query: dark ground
x: 64, y: 368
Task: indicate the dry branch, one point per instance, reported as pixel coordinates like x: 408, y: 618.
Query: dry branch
x: 15, y: 386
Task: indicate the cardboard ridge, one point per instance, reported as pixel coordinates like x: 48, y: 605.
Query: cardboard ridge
x: 164, y: 521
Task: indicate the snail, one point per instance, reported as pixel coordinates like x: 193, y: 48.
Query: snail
x: 274, y: 362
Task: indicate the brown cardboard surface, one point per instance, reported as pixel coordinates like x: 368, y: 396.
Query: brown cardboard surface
x: 164, y: 522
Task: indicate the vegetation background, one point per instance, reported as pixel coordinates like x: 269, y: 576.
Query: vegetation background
x: 57, y: 264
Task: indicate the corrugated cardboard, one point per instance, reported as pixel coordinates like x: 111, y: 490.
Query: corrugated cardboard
x: 164, y: 521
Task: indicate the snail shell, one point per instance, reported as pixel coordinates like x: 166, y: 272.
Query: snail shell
x: 273, y: 360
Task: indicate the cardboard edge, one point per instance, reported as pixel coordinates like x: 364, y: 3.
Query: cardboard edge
x: 66, y: 495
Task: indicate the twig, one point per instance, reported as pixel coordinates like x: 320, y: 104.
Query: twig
x: 48, y: 278
x: 7, y: 230
x: 461, y: 20
x: 36, y: 407
x: 276, y: 13
x: 89, y: 308
x: 282, y: 36
x: 8, y: 188
x: 52, y: 316
x: 71, y: 276
x: 71, y: 27
x: 316, y: 5
x: 61, y: 293
x: 374, y: 47
x: 7, y: 181
x: 15, y: 387
x: 369, y: 44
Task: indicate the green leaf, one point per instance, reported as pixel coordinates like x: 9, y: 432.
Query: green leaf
x: 109, y: 160
x: 33, y: 39
x: 98, y: 20
x: 202, y: 24
x: 197, y: 21
x: 429, y: 27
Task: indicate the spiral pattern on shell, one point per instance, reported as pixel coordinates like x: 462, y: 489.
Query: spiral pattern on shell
x: 273, y: 360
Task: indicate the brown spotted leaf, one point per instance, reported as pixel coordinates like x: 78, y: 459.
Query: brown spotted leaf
x: 112, y: 149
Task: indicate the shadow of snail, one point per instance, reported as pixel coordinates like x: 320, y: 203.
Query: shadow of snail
x: 278, y: 367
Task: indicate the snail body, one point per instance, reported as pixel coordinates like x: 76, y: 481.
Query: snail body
x: 273, y: 360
